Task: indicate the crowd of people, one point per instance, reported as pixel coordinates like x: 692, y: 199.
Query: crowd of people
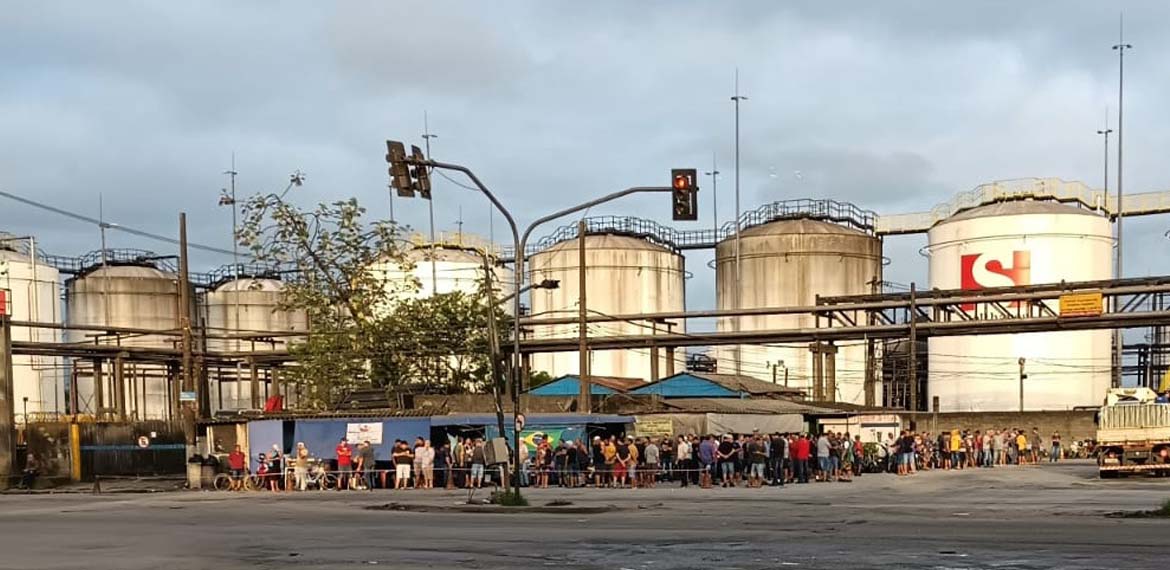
x: 615, y: 461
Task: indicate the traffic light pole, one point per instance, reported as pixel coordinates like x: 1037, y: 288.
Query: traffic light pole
x: 520, y: 241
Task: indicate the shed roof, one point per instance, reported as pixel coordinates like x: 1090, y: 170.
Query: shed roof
x: 708, y: 385
x: 570, y: 385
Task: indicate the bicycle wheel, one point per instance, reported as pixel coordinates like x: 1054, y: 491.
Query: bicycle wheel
x: 253, y: 483
x: 222, y: 482
x: 328, y: 481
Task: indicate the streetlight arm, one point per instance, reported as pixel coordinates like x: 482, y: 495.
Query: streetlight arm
x: 585, y: 206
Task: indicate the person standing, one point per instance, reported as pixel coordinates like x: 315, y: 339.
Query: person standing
x: 403, y: 459
x: 428, y: 466
x: 682, y: 453
x: 824, y: 448
x: 478, y: 461
x: 1054, y: 454
x: 525, y: 467
x: 725, y: 458
x: 236, y: 463
x: 419, y: 455
x: 366, y: 464
x: 707, y: 452
x: 301, y: 468
x: 344, y: 465
x: 653, y: 457
x: 443, y: 465
x: 757, y: 456
x: 277, y: 467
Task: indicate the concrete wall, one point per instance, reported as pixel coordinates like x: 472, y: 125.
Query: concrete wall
x: 1072, y: 425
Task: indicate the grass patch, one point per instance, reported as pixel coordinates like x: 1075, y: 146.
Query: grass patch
x: 1162, y: 512
x: 509, y: 499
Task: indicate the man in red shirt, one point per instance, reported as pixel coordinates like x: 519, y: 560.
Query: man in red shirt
x: 236, y: 461
x: 344, y: 464
x: 801, y: 451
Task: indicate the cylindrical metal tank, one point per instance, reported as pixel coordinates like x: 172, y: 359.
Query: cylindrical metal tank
x: 624, y: 275
x: 34, y: 295
x: 456, y: 269
x: 132, y: 296
x: 246, y: 305
x: 1019, y: 243
x: 787, y: 263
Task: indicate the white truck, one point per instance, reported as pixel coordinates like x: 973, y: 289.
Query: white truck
x: 1133, y: 433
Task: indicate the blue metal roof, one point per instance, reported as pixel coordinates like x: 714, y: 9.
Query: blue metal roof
x: 569, y: 386
x: 686, y: 385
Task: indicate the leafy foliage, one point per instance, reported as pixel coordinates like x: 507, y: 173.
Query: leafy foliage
x: 353, y: 280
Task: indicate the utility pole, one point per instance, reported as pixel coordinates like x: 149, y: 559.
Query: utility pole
x: 913, y: 350
x: 188, y: 407
x: 1121, y: 46
x: 738, y: 273
x: 7, y: 421
x: 583, y: 397
x: 427, y: 136
x: 1023, y: 377
x: 714, y: 174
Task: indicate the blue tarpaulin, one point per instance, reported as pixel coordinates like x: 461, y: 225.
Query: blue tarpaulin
x: 322, y: 436
x: 261, y: 436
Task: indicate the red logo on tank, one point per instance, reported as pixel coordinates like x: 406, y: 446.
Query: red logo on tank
x: 992, y: 273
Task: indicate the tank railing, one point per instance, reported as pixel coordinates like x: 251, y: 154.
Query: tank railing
x: 119, y: 256
x: 229, y: 272
x: 842, y: 213
x: 1053, y: 189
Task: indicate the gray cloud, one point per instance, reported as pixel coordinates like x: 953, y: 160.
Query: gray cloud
x: 895, y: 105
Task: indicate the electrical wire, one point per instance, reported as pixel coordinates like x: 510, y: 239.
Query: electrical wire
x: 112, y: 226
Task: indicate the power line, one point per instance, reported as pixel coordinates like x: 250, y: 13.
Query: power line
x: 108, y: 225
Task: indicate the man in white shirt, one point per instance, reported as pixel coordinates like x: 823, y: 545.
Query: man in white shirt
x: 683, y: 452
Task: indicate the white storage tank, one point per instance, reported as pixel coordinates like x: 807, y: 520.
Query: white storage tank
x: 788, y: 263
x: 34, y: 295
x: 246, y: 305
x: 1019, y: 243
x: 624, y: 275
x: 456, y: 269
x: 132, y: 296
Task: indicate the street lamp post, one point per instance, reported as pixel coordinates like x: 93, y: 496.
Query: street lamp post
x: 520, y: 242
x: 738, y: 274
x: 1121, y: 46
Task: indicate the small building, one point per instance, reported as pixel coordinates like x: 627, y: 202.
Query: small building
x: 570, y: 385
x: 707, y: 385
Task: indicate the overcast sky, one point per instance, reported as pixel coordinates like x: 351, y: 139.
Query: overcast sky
x: 895, y: 106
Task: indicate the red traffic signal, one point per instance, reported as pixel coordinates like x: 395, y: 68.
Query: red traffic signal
x: 684, y: 199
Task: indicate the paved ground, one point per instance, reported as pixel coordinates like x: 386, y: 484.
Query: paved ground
x: 1032, y: 517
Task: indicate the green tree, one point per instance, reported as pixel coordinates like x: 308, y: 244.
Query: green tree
x: 367, y: 326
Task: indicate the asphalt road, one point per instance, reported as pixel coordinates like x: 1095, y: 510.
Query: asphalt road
x: 1027, y: 517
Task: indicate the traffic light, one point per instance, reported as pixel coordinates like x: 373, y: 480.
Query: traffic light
x: 418, y: 172
x: 684, y: 198
x: 399, y: 171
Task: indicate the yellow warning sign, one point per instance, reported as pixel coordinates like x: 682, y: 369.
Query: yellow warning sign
x: 1082, y: 304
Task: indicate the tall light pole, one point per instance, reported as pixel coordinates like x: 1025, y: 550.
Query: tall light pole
x: 228, y: 198
x: 714, y: 174
x: 427, y: 136
x: 738, y: 273
x: 1121, y: 46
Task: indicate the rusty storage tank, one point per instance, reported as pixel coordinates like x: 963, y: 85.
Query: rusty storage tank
x: 132, y: 291
x: 458, y: 266
x: 248, y: 305
x: 1022, y: 242
x: 789, y: 254
x: 34, y: 295
x: 624, y: 275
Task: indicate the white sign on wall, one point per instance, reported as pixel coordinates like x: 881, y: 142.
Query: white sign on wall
x: 357, y: 433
